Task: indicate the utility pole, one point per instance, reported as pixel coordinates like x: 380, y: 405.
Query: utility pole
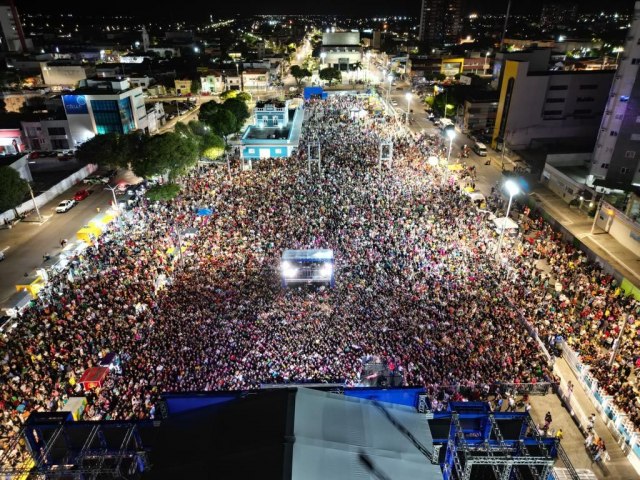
x: 597, y: 214
x: 35, y: 205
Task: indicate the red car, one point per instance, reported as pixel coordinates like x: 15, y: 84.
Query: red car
x: 81, y: 195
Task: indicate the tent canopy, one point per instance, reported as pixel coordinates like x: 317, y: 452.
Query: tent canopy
x: 93, y: 377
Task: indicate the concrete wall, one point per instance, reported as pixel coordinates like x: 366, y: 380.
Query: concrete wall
x: 53, y: 192
x: 568, y: 159
x: 560, y: 184
x: 622, y: 228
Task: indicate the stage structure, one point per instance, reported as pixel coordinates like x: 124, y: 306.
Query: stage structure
x: 315, y: 266
x: 386, y: 153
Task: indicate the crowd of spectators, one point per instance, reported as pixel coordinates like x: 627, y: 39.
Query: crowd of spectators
x: 417, y: 285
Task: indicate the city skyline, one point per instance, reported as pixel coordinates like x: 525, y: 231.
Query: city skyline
x: 329, y: 7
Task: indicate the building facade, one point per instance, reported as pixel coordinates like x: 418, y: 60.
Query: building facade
x: 548, y: 106
x: 47, y: 134
x: 64, y: 74
x: 440, y: 22
x: 13, y: 39
x: 340, y: 50
x: 104, y: 106
x: 616, y: 157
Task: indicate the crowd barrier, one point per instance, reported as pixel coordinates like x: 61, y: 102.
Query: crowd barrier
x: 618, y: 422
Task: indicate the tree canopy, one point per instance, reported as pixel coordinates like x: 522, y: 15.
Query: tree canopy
x: 171, y: 154
x: 330, y: 74
x: 13, y: 189
x: 109, y: 150
x: 168, y: 191
x: 221, y: 121
x: 239, y: 109
x: 299, y: 73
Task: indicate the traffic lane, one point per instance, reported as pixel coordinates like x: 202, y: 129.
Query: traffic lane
x: 26, y: 243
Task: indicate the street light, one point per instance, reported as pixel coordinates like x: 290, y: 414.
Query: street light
x: 113, y: 192
x: 512, y: 189
x: 408, y: 97
x: 451, y: 133
x: 390, y: 79
x: 486, y: 64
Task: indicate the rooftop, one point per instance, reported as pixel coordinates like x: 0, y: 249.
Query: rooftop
x: 267, y: 133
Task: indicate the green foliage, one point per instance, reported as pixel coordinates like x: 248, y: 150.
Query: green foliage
x: 196, y: 85
x: 227, y: 94
x: 299, y: 73
x: 13, y: 189
x: 239, y: 109
x: 330, y: 74
x: 221, y: 121
x: 165, y: 192
x: 172, y: 154
x: 108, y: 150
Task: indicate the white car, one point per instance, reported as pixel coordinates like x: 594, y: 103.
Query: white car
x: 394, y: 103
x: 65, y: 206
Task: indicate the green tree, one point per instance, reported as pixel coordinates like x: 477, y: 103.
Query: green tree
x: 108, y: 150
x: 221, y: 121
x: 13, y: 189
x: 171, y: 154
x: 330, y: 74
x: 196, y: 85
x: 299, y: 73
x: 239, y: 110
x: 358, y: 68
x: 165, y: 192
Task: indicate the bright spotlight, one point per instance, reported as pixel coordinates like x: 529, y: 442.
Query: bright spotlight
x: 511, y: 187
x: 451, y: 133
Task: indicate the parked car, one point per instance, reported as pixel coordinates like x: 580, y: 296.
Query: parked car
x: 65, y: 206
x: 62, y: 156
x: 81, y: 195
x: 34, y: 155
x: 96, y: 179
x: 1, y: 256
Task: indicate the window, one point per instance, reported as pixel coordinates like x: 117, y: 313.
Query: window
x: 635, y: 61
x: 624, y: 98
x: 635, y: 137
x: 251, y: 150
x: 552, y: 112
x: 630, y: 154
x: 585, y: 99
x: 56, y: 131
x: 582, y: 111
x: 624, y: 170
x: 278, y: 150
x: 589, y: 86
x: 613, y: 133
x: 555, y: 100
x: 558, y: 87
x: 638, y: 119
x: 604, y: 165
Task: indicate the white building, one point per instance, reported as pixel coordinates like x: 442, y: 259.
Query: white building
x: 64, y: 74
x: 104, y: 105
x: 47, y: 133
x: 212, y: 83
x: 548, y: 106
x: 13, y: 39
x: 340, y: 50
x: 616, y: 157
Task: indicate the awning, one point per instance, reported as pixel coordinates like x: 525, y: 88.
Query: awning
x: 93, y: 377
x: 504, y: 222
x: 32, y: 284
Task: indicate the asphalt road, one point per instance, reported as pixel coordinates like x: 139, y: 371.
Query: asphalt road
x: 25, y: 244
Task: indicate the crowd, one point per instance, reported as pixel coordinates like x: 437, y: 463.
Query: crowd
x: 416, y: 285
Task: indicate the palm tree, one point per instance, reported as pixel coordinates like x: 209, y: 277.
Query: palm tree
x: 357, y: 67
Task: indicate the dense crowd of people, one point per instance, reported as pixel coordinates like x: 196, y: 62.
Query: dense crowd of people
x: 417, y: 285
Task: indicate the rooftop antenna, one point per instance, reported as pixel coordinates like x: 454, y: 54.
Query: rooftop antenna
x: 504, y: 29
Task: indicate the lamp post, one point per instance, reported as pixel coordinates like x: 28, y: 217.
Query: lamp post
x: 512, y: 189
x: 408, y: 97
x: 486, y: 64
x: 113, y: 192
x: 323, y: 55
x: 390, y: 79
x: 450, y: 134
x: 35, y: 205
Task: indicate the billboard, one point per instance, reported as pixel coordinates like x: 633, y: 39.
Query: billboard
x: 75, y: 104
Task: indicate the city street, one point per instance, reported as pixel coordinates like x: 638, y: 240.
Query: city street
x: 25, y: 244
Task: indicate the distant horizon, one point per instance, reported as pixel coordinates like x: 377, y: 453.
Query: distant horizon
x: 353, y: 8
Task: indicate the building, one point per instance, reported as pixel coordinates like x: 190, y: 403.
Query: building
x: 548, y: 106
x: 556, y: 15
x: 63, y: 74
x: 255, y: 78
x: 616, y: 156
x: 183, y: 86
x: 340, y: 50
x: 440, y: 22
x: 480, y: 112
x: 11, y: 142
x: 104, y: 105
x: 426, y: 65
x: 13, y: 38
x: 212, y: 82
x: 46, y: 132
x: 275, y: 131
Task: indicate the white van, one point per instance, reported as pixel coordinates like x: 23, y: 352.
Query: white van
x: 480, y: 149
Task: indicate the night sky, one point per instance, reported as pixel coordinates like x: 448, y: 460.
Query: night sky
x: 154, y: 8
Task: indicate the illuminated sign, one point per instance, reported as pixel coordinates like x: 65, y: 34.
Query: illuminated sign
x: 75, y: 104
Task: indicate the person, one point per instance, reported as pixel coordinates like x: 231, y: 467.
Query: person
x: 591, y: 423
x: 559, y: 434
x: 547, y: 417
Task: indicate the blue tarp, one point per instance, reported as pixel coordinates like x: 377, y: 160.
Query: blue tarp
x: 314, y: 91
x: 204, y: 212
